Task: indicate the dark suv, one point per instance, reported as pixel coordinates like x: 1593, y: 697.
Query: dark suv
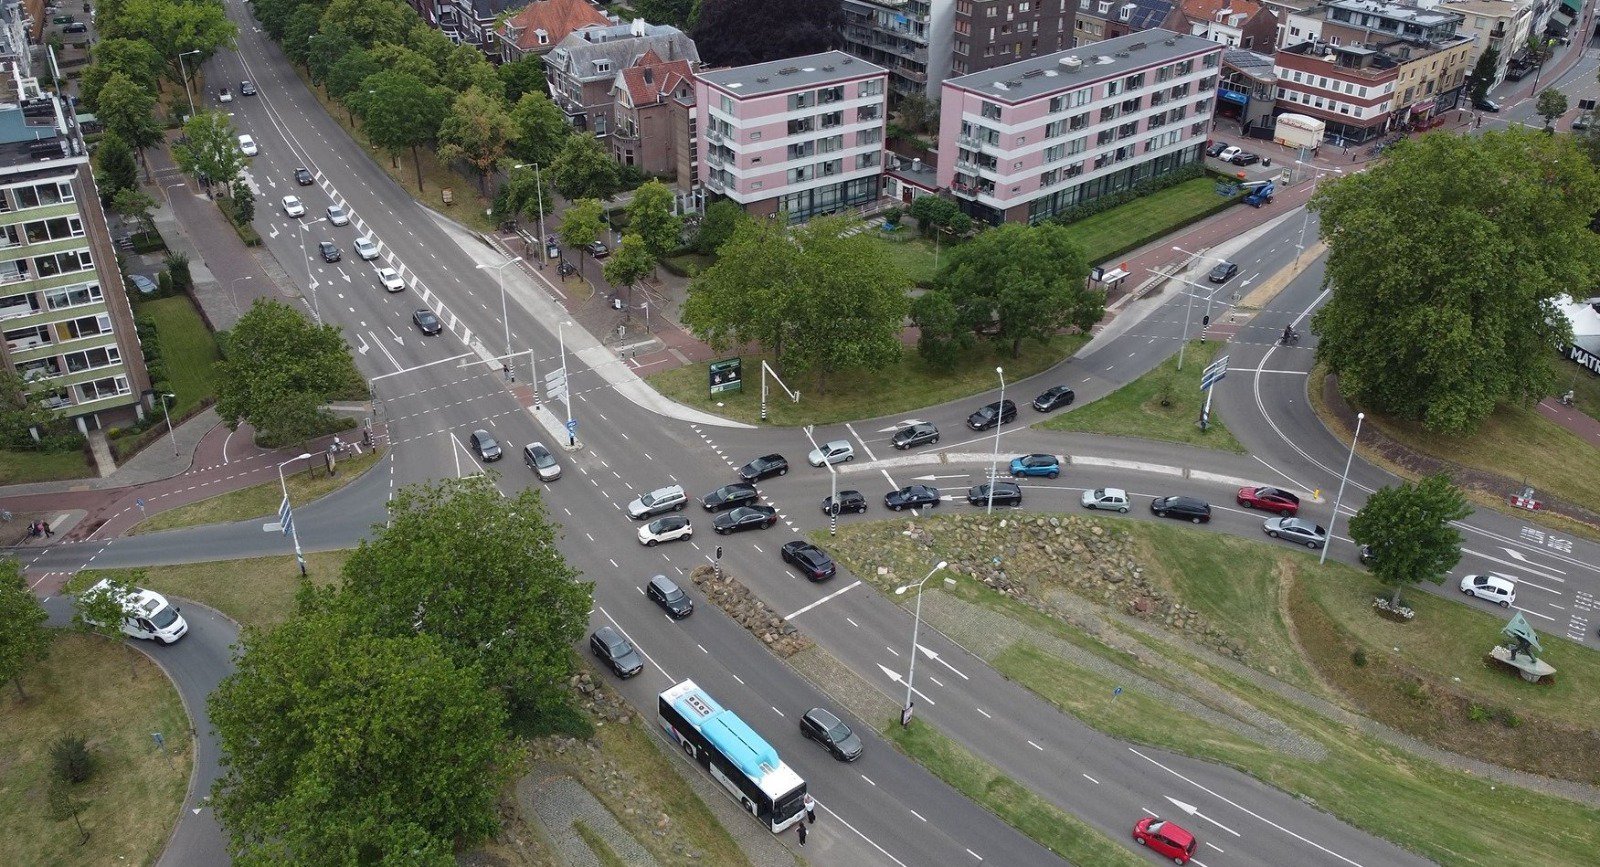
x: 764, y: 467
x: 989, y: 415
x: 812, y: 561
x: 302, y: 176
x: 667, y: 594
x: 616, y: 652
x: 729, y: 496
x: 329, y: 250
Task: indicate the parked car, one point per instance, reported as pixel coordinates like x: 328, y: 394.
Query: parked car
x: 664, y: 499
x: 764, y: 467
x: 247, y: 88
x: 744, y: 518
x: 834, y: 452
x: 542, y: 461
x: 597, y: 249
x: 329, y: 251
x: 849, y: 501
x: 1107, y: 499
x: 912, y: 497
x: 666, y: 593
x: 487, y: 447
x: 1216, y: 149
x: 1228, y: 153
x: 668, y: 529
x: 1582, y: 120
x: 1182, y: 508
x: 144, y: 284
x: 1054, y: 398
x: 616, y: 652
x: 225, y: 95
x: 914, y: 435
x: 302, y: 176
x: 812, y: 561
x: 247, y: 146
x: 427, y: 321
x: 76, y: 27
x: 366, y: 248
x: 1005, y: 494
x: 1298, y: 530
x: 146, y: 614
x: 1223, y: 272
x: 1495, y: 588
x: 1486, y: 104
x: 293, y: 207
x: 338, y: 216
x: 1246, y: 159
x: 1270, y: 500
x: 1048, y: 466
x: 831, y: 732
x: 991, y: 414
x: 1368, y: 554
x: 390, y: 280
x: 729, y: 496
x: 1166, y: 838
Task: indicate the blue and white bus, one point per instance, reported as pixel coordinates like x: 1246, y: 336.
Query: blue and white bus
x: 747, y: 766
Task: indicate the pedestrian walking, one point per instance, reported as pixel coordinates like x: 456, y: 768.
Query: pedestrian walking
x: 802, y: 831
x: 811, y: 807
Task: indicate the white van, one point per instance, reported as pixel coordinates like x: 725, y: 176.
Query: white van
x: 147, y: 615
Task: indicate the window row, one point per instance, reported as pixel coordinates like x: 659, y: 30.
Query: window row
x: 35, y: 336
x: 28, y: 303
x: 36, y: 196
x: 46, y: 266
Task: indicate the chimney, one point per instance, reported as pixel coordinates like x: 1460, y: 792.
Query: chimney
x: 638, y: 26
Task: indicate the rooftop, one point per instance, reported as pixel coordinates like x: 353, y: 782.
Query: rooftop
x: 1491, y: 8
x: 1065, y: 70
x: 556, y: 18
x: 788, y: 74
x: 1397, y: 11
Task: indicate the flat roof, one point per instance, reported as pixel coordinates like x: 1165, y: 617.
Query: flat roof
x: 1037, y: 76
x: 790, y: 73
x: 1423, y: 17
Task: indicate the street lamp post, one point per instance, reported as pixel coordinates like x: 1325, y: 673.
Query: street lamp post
x: 168, y: 413
x: 294, y: 532
x: 500, y: 275
x: 561, y: 337
x: 184, y: 70
x: 994, y: 463
x: 1340, y: 496
x: 1305, y: 220
x: 538, y: 191
x: 1187, y: 310
x: 916, y: 625
x: 833, y: 484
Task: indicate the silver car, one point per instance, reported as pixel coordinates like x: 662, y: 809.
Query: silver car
x: 835, y: 452
x: 366, y: 248
x: 1298, y: 530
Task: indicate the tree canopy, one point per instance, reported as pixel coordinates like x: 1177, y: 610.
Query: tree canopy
x: 1484, y: 71
x: 542, y: 129
x: 521, y: 77
x: 211, y: 149
x: 717, y: 225
x: 789, y: 28
x: 583, y: 170
x: 580, y: 223
x: 171, y: 27
x: 24, y: 639
x: 1409, y: 528
x: 650, y: 217
x: 279, y: 369
x: 477, y: 129
x: 401, y: 112
x: 1441, y: 326
x: 127, y: 109
x: 628, y: 264
x: 117, y: 169
x: 1552, y: 103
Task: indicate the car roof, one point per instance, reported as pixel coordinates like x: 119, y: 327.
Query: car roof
x: 1114, y: 492
x: 823, y: 716
x: 663, y: 582
x: 1491, y: 578
x: 1181, y: 500
x: 1176, y: 833
x: 834, y: 444
x: 608, y: 634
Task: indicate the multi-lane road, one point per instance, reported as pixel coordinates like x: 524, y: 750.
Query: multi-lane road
x: 884, y: 809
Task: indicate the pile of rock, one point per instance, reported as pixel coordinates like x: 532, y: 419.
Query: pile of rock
x: 736, y: 600
x: 603, y: 705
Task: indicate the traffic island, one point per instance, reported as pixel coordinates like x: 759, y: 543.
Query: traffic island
x: 729, y: 593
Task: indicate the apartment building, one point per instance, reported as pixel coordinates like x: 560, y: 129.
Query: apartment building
x: 653, y: 123
x: 1503, y: 25
x: 1027, y: 141
x: 1234, y: 23
x: 1246, y: 92
x: 539, y: 26
x: 583, y: 67
x: 1349, y: 87
x: 65, y: 323
x: 991, y: 33
x: 910, y: 38
x: 1137, y: 16
x: 802, y: 136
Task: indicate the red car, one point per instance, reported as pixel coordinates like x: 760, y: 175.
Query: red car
x: 1166, y: 838
x: 1270, y: 500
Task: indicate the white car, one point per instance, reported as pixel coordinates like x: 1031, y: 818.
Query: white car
x: 1495, y: 588
x: 1110, y: 499
x: 293, y: 207
x: 390, y: 280
x: 247, y: 146
x: 1228, y: 154
x: 225, y: 95
x: 338, y: 216
x: 835, y: 452
x: 668, y: 529
x: 366, y: 248
x: 146, y: 614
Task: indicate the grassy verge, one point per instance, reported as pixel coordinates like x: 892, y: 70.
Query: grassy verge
x: 602, y: 851
x: 188, y: 350
x: 1152, y: 216
x: 900, y: 387
x: 130, y: 804
x: 1137, y: 410
x: 21, y: 467
x: 1055, y: 829
x: 258, y: 500
x: 917, y: 257
x: 255, y: 592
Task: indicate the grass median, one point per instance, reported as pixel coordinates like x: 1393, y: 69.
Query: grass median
x: 259, y: 501
x: 258, y: 591
x: 189, y: 351
x: 1164, y: 404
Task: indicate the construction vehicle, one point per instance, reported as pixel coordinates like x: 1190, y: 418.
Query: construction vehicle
x: 1258, y: 193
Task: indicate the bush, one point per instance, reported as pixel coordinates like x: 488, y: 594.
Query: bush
x: 178, y: 266
x: 891, y: 216
x: 1507, y: 718
x: 1358, y: 658
x: 147, y: 242
x: 1478, y: 714
x: 70, y: 759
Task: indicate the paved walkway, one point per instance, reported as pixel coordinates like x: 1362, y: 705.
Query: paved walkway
x: 557, y: 802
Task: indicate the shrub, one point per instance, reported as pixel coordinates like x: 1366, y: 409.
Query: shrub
x: 164, y: 283
x: 1413, y: 690
x: 1507, y: 718
x: 178, y: 266
x: 70, y: 759
x: 1358, y: 657
x: 1478, y: 714
x: 891, y: 216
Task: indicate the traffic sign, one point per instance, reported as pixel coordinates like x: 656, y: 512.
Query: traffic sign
x: 572, y: 426
x: 285, y: 516
x: 1214, y: 373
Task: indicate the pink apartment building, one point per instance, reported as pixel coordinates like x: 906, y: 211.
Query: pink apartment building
x: 802, y: 136
x: 1029, y: 140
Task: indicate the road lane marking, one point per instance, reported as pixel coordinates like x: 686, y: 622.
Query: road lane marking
x: 825, y: 599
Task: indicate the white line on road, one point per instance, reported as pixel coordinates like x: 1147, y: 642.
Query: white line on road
x: 636, y: 645
x: 974, y: 854
x: 984, y: 712
x: 858, y: 833
x: 1035, y: 746
x: 825, y: 599
x: 915, y: 813
x: 1091, y: 779
x: 868, y: 779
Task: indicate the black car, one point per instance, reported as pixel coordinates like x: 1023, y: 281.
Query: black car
x: 1055, y: 398
x: 302, y: 176
x: 991, y: 414
x: 813, y: 561
x: 912, y: 497
x: 597, y: 249
x: 830, y: 731
x: 728, y: 496
x: 1486, y: 104
x: 1246, y: 159
x: 849, y: 501
x: 425, y: 320
x: 76, y: 27
x: 1005, y: 494
x: 915, y: 435
x: 616, y: 652
x: 485, y: 445
x: 247, y: 88
x: 745, y: 518
x: 1182, y: 508
x: 329, y: 250
x: 764, y: 467
x: 667, y: 594
x: 1223, y: 272
x: 1216, y: 149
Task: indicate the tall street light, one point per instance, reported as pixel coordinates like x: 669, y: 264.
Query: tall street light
x: 833, y: 482
x: 1305, y: 221
x: 500, y: 275
x: 561, y: 337
x: 168, y: 413
x: 311, y: 282
x: 287, y: 513
x: 916, y: 624
x: 994, y: 463
x: 1340, y: 496
x: 538, y: 190
x: 184, y: 70
x: 1188, y: 309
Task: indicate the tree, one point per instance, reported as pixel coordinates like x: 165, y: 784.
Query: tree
x: 349, y: 72
x: 936, y: 214
x: 133, y: 58
x: 629, y: 264
x: 398, y: 58
x: 674, y: 12
x: 1471, y: 320
x: 1552, y: 104
x: 1410, y: 527
x: 128, y: 110
x: 100, y: 610
x: 580, y: 225
x: 298, y: 32
x: 279, y: 371
x: 790, y: 28
x: 211, y: 152
x: 478, y: 129
x: 499, y: 597
x: 542, y: 128
x: 118, y: 171
x: 1018, y: 282
x: 171, y: 28
x: 650, y: 216
x: 465, y: 67
x: 525, y: 193
x: 722, y: 217
x: 325, y: 48
x: 940, y: 338
x: 525, y: 76
x: 19, y: 415
x: 401, y: 112
x: 369, y: 22
x: 1484, y: 72
x: 583, y: 170
x: 136, y: 205
x: 24, y: 639
x: 343, y: 747
x: 919, y: 114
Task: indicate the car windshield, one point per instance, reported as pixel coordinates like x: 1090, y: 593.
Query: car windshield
x: 672, y: 595
x: 621, y: 648
x: 838, y: 733
x: 649, y: 499
x: 163, y: 617
x: 544, y: 459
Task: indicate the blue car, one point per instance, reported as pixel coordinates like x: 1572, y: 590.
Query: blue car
x: 1048, y: 466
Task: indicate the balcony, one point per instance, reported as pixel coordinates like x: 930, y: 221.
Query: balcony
x: 970, y: 142
x: 713, y: 136
x: 715, y: 159
x: 715, y: 184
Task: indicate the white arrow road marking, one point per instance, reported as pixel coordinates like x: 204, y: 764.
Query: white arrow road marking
x: 907, y: 423
x: 363, y: 347
x: 936, y: 478
x: 1517, y: 555
x: 397, y: 338
x: 937, y: 658
x: 1526, y: 568
x: 895, y: 676
x: 1195, y: 811
x: 346, y: 277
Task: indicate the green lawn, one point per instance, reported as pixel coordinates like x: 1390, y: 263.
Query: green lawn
x: 19, y: 467
x: 255, y: 592
x: 901, y: 387
x: 1136, y: 410
x: 188, y: 349
x: 1144, y: 219
x: 916, y: 256
x: 1585, y: 385
x: 259, y: 500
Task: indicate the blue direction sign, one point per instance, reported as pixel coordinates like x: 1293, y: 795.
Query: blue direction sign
x: 572, y: 426
x: 1214, y: 373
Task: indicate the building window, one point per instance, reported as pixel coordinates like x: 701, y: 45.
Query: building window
x: 63, y: 263
x: 42, y: 195
x: 73, y: 296
x: 726, y: 104
x: 1104, y: 7
x: 990, y: 110
x: 873, y: 87
x: 868, y: 160
x: 101, y: 389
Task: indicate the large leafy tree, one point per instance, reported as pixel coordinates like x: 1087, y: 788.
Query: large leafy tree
x: 1441, y: 326
x: 542, y: 128
x: 583, y: 170
x: 498, y: 596
x: 399, y: 58
x: 1551, y: 104
x: 721, y: 218
x: 1410, y: 528
x: 24, y: 639
x: 131, y: 57
x: 369, y: 22
x: 678, y: 13
x: 465, y: 67
x: 171, y: 28
x: 211, y: 149
x: 629, y: 264
x: 18, y: 414
x: 117, y: 169
x: 580, y: 224
x: 1483, y: 72
x: 349, y: 72
x: 401, y: 112
x: 526, y: 192
x: 477, y: 129
x: 1017, y: 282
x: 302, y: 24
x: 525, y: 76
x: 650, y: 217
x: 345, y: 747
x: 127, y: 109
x: 790, y: 28
x: 279, y: 370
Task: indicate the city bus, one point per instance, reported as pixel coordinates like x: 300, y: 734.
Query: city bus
x: 747, y: 766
